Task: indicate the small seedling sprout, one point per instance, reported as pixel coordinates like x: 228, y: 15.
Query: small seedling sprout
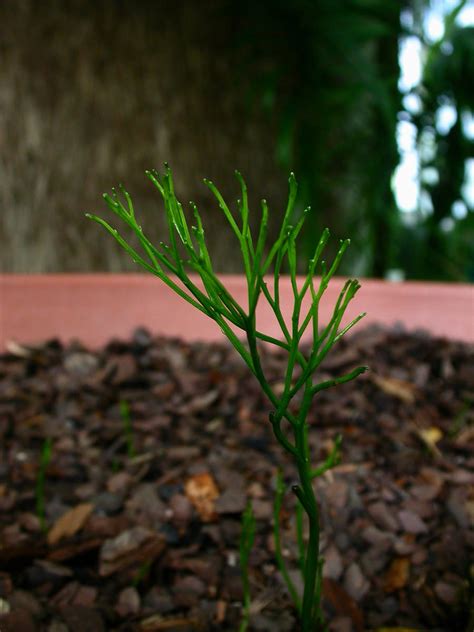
x: 187, y: 251
x: 279, y: 494
x: 45, y: 459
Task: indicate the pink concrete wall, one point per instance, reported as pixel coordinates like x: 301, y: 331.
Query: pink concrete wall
x: 95, y: 307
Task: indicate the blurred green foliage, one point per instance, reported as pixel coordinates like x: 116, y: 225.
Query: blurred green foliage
x: 328, y: 70
x: 445, y: 246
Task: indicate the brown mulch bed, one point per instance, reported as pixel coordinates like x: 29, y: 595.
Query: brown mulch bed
x: 142, y: 528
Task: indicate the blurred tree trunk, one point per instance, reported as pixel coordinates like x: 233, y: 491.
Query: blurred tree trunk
x: 382, y: 210
x: 92, y: 93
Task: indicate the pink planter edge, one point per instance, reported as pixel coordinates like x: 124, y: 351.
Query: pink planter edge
x: 95, y: 308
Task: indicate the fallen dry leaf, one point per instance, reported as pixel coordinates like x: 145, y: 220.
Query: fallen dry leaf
x: 343, y: 603
x: 69, y: 523
x: 397, y: 575
x: 201, y: 490
x: 221, y: 609
x: 4, y: 606
x: 398, y: 388
x: 16, y: 349
x: 430, y: 437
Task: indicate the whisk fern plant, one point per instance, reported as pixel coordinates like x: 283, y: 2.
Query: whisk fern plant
x: 186, y: 252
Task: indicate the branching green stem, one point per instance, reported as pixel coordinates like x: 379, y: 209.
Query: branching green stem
x: 187, y: 251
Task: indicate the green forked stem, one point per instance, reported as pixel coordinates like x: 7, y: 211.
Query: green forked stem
x: 187, y: 251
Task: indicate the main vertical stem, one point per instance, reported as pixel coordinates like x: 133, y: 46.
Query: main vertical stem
x: 312, y: 552
x: 310, y: 609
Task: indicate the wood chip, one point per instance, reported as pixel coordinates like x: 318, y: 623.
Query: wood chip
x: 82, y: 619
x: 128, y: 602
x: 355, y: 582
x: 383, y: 516
x: 70, y: 550
x: 156, y: 623
x: 411, y: 522
x: 131, y: 547
x: 446, y: 592
x: 333, y: 566
x: 69, y: 523
x: 17, y: 621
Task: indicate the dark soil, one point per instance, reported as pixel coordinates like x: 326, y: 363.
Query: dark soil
x: 142, y: 527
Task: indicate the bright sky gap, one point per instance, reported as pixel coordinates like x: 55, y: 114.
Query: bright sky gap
x: 408, y: 176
